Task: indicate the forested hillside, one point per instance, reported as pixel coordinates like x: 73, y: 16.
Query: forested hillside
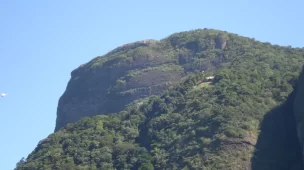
x: 243, y: 119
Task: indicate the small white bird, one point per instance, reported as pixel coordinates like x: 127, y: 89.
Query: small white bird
x: 3, y: 94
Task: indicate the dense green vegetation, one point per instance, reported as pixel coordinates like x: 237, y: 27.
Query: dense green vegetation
x: 225, y: 125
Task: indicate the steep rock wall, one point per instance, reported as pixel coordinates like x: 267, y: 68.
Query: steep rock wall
x: 108, y: 83
x: 299, y: 109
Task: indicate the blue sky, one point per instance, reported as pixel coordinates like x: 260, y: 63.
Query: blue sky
x: 41, y: 42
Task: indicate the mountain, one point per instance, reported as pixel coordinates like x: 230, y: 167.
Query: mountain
x: 144, y: 106
x: 138, y: 70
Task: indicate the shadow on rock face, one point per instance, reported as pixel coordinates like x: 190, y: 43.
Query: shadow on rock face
x: 278, y: 147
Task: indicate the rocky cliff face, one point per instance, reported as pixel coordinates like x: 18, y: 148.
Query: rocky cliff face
x: 299, y: 110
x: 137, y: 70
x: 108, y: 83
